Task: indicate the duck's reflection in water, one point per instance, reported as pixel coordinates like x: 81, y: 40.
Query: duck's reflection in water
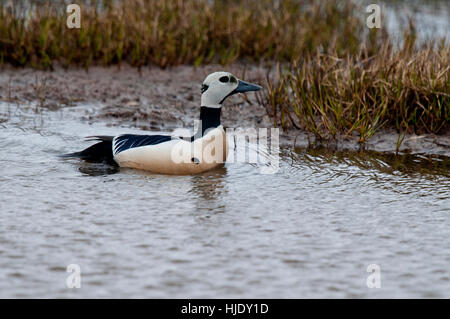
x: 209, y: 189
x: 97, y: 169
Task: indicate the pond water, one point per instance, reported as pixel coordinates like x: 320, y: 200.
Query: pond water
x: 431, y: 18
x: 310, y: 230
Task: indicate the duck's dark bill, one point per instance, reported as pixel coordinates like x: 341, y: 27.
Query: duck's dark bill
x: 246, y: 87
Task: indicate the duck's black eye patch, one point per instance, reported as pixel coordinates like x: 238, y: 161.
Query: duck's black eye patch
x: 224, y: 79
x: 204, y: 87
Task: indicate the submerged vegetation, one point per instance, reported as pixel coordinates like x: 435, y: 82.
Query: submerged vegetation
x: 335, y: 77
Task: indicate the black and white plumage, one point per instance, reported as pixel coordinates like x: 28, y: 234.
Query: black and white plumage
x: 166, y: 154
x: 127, y: 141
x: 99, y: 152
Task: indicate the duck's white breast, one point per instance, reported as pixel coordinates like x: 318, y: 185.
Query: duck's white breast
x: 177, y: 156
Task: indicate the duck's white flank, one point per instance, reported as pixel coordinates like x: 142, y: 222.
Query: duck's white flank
x: 178, y: 156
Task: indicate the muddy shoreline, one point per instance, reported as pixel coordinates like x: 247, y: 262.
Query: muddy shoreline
x: 165, y: 99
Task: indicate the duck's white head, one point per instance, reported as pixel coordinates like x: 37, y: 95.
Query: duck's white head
x: 220, y: 85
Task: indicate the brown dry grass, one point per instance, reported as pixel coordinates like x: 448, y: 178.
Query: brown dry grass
x: 339, y: 78
x: 329, y: 96
x: 165, y: 33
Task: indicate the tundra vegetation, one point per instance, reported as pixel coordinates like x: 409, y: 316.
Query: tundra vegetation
x: 327, y: 72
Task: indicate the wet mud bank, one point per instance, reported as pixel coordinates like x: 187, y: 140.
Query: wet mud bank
x: 158, y: 99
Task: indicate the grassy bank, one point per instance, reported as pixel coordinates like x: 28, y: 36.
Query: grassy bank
x: 329, y: 96
x: 165, y: 33
x: 337, y: 78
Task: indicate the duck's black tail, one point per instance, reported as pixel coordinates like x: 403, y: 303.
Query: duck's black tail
x: 100, y: 152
